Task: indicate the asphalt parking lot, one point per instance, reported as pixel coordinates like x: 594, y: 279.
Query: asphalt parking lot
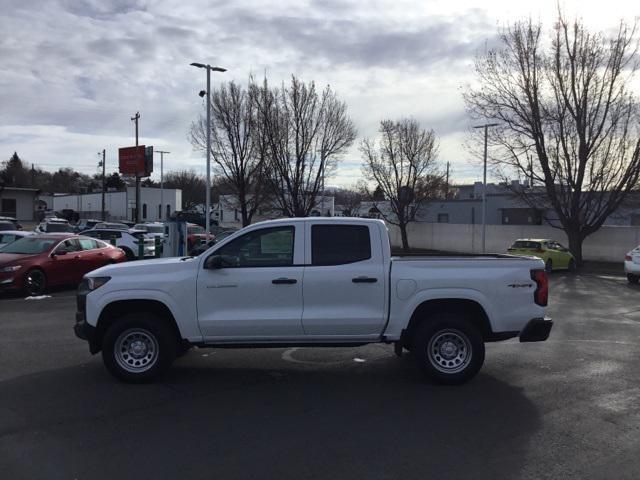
x: 566, y: 408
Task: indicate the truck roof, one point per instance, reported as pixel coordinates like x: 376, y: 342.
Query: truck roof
x: 322, y: 219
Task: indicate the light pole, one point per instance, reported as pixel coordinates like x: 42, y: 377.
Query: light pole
x: 208, y: 95
x: 484, y: 185
x: 161, y: 152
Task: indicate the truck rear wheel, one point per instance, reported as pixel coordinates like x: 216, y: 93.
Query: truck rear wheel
x: 138, y: 348
x: 448, y: 348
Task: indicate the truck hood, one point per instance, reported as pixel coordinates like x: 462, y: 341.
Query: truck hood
x: 146, y: 266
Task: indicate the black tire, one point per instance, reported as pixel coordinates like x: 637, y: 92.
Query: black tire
x: 35, y: 282
x: 633, y: 279
x: 157, y: 344
x: 548, y: 266
x: 572, y: 265
x: 448, y: 331
x: 128, y: 253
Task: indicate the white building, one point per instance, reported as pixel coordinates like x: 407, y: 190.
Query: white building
x: 120, y: 205
x: 228, y: 214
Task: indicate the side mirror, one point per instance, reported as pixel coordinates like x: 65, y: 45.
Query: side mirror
x: 213, y: 262
x: 60, y: 252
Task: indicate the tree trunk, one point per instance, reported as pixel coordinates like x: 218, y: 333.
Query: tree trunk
x: 575, y: 245
x: 405, y: 238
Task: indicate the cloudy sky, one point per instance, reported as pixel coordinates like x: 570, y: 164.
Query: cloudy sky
x: 73, y: 72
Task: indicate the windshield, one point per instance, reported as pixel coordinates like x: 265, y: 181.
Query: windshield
x: 155, y: 228
x: 59, y: 227
x: 115, y: 226
x: 29, y: 245
x: 196, y: 229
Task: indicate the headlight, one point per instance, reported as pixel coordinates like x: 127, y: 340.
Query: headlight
x: 13, y: 268
x: 96, y: 282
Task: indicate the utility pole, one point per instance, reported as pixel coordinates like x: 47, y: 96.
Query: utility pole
x: 161, y: 152
x: 484, y: 185
x: 446, y: 185
x: 103, y: 165
x: 135, y: 119
x: 33, y: 175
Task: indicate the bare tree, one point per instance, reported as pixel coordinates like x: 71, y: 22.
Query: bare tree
x: 568, y: 120
x: 304, y: 134
x: 192, y: 185
x: 403, y: 165
x: 235, y: 148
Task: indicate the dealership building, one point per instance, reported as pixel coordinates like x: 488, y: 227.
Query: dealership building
x: 119, y: 205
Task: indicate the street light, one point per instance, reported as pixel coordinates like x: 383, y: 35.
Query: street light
x: 208, y: 95
x: 484, y: 185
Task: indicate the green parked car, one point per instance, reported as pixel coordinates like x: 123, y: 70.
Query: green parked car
x: 554, y: 255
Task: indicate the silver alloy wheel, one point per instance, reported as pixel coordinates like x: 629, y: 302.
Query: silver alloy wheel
x: 449, y: 351
x: 136, y: 350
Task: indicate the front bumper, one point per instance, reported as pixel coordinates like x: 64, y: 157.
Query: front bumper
x: 82, y: 329
x: 536, y: 330
x: 86, y: 332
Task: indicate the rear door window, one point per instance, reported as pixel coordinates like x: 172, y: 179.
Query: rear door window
x: 88, y: 244
x: 339, y: 244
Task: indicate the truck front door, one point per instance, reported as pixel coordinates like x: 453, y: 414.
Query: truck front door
x: 255, y: 290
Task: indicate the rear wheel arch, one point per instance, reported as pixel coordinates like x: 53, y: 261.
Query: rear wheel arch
x: 115, y: 310
x: 470, y: 310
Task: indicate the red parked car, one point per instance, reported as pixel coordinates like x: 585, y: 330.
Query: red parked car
x: 37, y: 262
x: 196, y: 235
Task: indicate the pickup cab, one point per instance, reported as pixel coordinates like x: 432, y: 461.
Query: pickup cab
x: 312, y: 282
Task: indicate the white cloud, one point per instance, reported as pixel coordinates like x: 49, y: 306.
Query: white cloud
x: 74, y: 72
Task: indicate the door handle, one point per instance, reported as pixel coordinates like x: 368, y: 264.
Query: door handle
x: 76, y: 257
x: 284, y: 281
x: 364, y: 280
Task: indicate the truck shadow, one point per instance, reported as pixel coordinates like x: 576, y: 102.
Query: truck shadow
x: 263, y: 421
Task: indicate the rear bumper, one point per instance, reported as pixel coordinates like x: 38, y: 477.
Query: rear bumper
x: 631, y: 267
x: 536, y: 330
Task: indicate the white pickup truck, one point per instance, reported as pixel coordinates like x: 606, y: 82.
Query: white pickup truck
x: 312, y: 282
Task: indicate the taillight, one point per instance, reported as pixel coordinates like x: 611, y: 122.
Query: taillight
x: 627, y: 258
x: 541, y: 295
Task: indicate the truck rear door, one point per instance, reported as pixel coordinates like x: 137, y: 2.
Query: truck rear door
x: 345, y: 281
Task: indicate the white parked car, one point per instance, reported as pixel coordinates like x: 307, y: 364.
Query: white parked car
x: 54, y: 225
x: 153, y: 229
x: 312, y: 282
x: 632, y: 265
x: 9, y: 236
x: 127, y: 241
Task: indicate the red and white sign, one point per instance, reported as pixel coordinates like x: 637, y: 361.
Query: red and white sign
x: 132, y: 160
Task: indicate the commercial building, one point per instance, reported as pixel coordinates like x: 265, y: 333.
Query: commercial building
x: 19, y: 203
x: 119, y: 205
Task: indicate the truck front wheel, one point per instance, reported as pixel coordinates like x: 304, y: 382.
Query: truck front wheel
x: 448, y: 348
x: 138, y: 348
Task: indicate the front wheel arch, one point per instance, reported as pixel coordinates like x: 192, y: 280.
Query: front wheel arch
x: 117, y: 309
